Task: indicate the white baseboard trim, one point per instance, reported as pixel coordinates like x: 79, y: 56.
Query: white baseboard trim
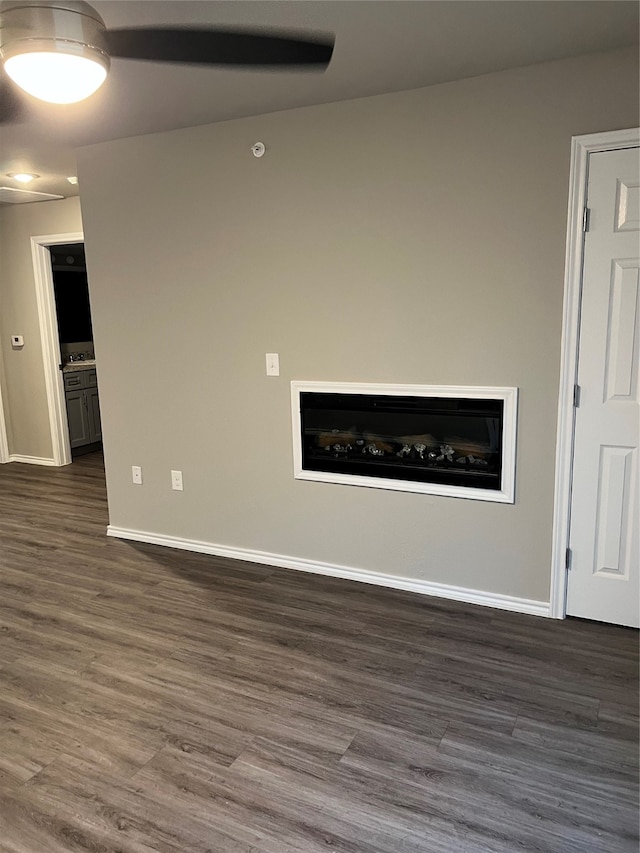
x: 439, y: 590
x: 31, y: 460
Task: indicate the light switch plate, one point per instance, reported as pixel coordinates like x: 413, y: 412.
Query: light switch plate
x: 136, y: 474
x: 176, y: 481
x: 273, y: 364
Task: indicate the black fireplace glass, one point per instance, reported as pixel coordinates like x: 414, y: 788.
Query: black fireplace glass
x: 449, y: 441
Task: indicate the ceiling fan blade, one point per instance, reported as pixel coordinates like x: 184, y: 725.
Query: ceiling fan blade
x: 12, y: 107
x: 218, y: 47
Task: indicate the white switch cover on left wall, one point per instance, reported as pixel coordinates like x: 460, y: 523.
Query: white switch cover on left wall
x: 136, y: 474
x: 273, y: 364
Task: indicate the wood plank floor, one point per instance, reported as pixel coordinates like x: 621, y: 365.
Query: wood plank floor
x: 156, y: 700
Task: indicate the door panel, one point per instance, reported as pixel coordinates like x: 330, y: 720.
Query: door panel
x: 621, y: 358
x: 613, y: 509
x: 78, y: 418
x: 603, y: 582
x: 93, y: 406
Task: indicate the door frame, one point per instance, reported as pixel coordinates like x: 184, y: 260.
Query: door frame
x: 47, y: 317
x: 4, y: 442
x: 581, y: 148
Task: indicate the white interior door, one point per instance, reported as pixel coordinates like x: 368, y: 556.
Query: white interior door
x: 603, y: 581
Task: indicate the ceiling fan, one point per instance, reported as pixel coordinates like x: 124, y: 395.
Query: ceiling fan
x: 60, y: 50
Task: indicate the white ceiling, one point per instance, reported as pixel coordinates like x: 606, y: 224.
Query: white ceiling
x: 381, y: 46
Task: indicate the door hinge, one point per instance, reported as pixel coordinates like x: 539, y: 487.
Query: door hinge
x: 585, y: 219
x: 567, y: 559
x: 576, y: 396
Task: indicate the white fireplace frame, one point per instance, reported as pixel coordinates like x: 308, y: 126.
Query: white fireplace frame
x: 509, y: 396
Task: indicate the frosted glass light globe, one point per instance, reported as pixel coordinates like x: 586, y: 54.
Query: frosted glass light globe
x: 59, y: 78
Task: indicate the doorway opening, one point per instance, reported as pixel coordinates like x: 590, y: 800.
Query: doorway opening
x: 41, y: 248
x: 77, y: 354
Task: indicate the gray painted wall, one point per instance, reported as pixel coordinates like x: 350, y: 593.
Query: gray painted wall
x: 416, y: 237
x: 23, y: 392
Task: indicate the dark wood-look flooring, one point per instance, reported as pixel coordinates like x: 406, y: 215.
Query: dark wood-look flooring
x: 156, y: 700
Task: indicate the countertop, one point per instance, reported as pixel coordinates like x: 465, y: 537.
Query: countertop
x: 72, y: 366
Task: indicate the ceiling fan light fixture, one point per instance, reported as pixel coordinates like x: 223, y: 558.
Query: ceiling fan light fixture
x: 59, y: 78
x: 57, y: 52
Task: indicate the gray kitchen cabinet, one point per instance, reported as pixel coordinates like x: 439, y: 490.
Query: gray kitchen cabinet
x: 83, y: 409
x: 74, y: 380
x: 93, y: 408
x: 78, y: 417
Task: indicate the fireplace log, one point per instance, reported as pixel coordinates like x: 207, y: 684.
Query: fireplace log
x: 328, y: 439
x: 465, y: 447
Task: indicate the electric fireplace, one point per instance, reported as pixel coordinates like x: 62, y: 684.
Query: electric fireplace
x: 432, y: 439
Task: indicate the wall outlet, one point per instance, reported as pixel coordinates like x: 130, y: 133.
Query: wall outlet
x: 136, y: 474
x: 176, y: 481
